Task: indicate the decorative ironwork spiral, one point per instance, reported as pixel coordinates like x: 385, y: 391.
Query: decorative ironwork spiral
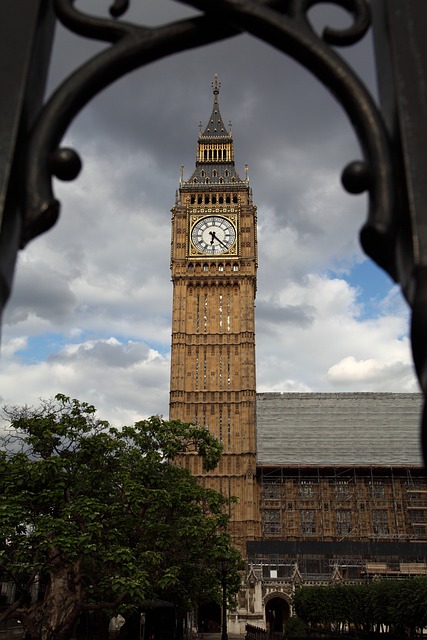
x: 284, y: 24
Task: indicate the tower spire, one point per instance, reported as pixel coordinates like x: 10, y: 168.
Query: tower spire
x: 215, y: 151
x: 216, y: 85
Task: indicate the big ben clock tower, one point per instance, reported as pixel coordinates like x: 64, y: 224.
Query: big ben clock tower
x: 214, y: 264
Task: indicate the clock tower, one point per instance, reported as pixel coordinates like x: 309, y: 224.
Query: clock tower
x: 214, y: 264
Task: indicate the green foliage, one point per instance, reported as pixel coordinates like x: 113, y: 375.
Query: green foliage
x: 99, y: 517
x: 399, y: 604
x: 296, y: 628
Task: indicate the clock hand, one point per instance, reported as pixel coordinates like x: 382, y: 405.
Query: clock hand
x: 221, y: 242
x: 215, y: 237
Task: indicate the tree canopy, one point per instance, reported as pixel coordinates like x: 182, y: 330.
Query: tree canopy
x: 400, y: 605
x: 96, y: 517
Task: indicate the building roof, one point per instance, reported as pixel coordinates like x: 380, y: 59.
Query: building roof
x: 338, y: 429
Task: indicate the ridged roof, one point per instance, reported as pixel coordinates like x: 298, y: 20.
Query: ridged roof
x: 338, y: 429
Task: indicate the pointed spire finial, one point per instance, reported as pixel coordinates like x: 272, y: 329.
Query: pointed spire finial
x: 216, y: 85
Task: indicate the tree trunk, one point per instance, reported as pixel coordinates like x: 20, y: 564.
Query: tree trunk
x: 54, y: 617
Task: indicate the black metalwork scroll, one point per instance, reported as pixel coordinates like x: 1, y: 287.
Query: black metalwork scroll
x: 284, y: 24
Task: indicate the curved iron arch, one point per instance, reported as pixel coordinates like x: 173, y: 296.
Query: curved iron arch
x: 283, y: 24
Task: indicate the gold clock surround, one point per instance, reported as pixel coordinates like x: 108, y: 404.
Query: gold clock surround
x: 222, y: 218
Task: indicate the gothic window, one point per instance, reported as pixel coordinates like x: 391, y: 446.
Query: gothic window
x: 229, y: 427
x: 343, y: 520
x: 226, y: 173
x: 308, y: 521
x: 193, y: 199
x: 207, y: 180
x: 204, y: 374
x: 418, y: 521
x: 202, y: 173
x: 206, y: 197
x: 271, y: 522
x: 213, y: 199
x: 228, y: 200
x: 306, y: 489
x: 199, y: 200
x: 235, y: 199
x: 214, y: 173
x: 341, y: 489
x: 271, y: 490
x: 205, y: 268
x: 235, y: 267
x: 377, y: 489
x: 221, y: 181
x: 380, y: 521
x: 221, y: 199
x: 220, y: 267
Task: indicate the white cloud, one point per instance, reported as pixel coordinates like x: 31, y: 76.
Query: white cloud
x: 126, y: 381
x: 90, y: 314
x: 352, y: 372
x: 309, y: 355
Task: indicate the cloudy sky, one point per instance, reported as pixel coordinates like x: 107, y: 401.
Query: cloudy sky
x: 90, y: 314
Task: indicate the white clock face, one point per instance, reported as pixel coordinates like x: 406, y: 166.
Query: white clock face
x: 213, y: 235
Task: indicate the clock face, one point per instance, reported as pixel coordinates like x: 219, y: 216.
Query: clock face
x: 213, y: 235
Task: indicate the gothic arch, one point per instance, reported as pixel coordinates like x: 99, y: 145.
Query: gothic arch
x: 277, y: 608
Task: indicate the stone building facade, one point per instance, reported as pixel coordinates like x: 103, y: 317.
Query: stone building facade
x: 213, y: 265
x: 329, y: 487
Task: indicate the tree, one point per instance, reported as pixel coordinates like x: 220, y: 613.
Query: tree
x: 397, y: 604
x: 93, y: 517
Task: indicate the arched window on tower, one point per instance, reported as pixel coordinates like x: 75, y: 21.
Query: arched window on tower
x: 199, y: 200
x: 235, y: 198
x: 193, y: 199
x: 235, y: 267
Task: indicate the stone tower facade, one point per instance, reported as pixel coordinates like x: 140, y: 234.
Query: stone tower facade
x: 214, y: 266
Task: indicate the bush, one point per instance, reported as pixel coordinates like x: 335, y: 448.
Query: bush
x: 295, y: 628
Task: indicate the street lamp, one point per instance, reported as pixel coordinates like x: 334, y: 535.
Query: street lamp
x: 224, y: 569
